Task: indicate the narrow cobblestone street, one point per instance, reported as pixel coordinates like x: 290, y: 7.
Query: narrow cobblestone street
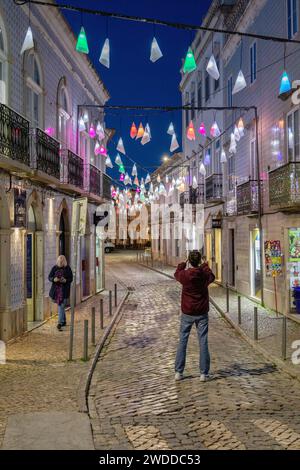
x: 135, y: 403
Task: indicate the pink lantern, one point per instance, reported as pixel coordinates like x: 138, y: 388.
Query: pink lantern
x: 138, y: 190
x: 122, y: 177
x: 202, y: 129
x: 92, y: 132
x: 50, y: 131
x: 103, y: 151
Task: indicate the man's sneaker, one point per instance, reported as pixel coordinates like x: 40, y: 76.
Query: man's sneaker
x: 59, y: 326
x: 204, y: 378
x: 178, y: 376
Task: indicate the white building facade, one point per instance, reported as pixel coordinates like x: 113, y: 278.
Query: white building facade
x: 45, y: 163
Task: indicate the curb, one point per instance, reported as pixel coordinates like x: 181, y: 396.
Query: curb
x: 274, y: 360
x: 84, y: 387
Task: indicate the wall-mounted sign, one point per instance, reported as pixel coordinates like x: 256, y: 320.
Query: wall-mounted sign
x: 273, y: 258
x: 19, y: 208
x: 294, y: 245
x: 216, y: 223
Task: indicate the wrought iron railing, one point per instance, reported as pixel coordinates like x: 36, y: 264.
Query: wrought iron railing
x: 45, y: 153
x: 247, y: 197
x: 193, y: 196
x: 284, y: 185
x: 72, y: 169
x: 214, y: 188
x: 95, y: 180
x: 14, y: 135
x: 106, y: 186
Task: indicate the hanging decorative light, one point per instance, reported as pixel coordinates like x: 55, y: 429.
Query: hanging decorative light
x: 103, y: 151
x: 207, y: 159
x: 127, y: 179
x: 174, y: 143
x: 104, y: 58
x: 202, y: 129
x: 122, y: 168
x: 237, y: 134
x: 146, y: 136
x: 134, y: 170
x: 202, y: 169
x: 190, y: 133
x: 136, y: 181
x: 148, y: 179
x: 108, y: 162
x: 100, y: 131
x: 28, y: 41
x: 240, y: 83
x: 151, y: 188
x: 141, y: 131
x: 212, y: 68
x: 285, y: 84
x: 86, y: 116
x: 118, y: 160
x: 215, y: 131
x: 120, y: 146
x: 158, y: 178
x: 133, y: 131
x: 189, y: 63
x: 195, y: 183
x: 122, y: 177
x: 82, y: 44
x: 81, y: 125
x: 97, y: 148
x: 241, y: 127
x: 171, y: 129
x: 232, y: 148
x: 92, y: 132
x: 155, y: 51
x: 223, y: 156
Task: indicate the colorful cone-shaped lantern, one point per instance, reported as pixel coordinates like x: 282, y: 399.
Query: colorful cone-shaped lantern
x: 118, y: 160
x: 240, y: 83
x: 241, y: 127
x: 122, y: 177
x: 195, y: 183
x: 223, y: 156
x: 105, y: 53
x: 28, y: 41
x: 134, y: 170
x: 146, y: 136
x: 237, y: 134
x: 82, y: 45
x: 127, y: 179
x: 155, y: 51
x: 174, y: 143
x: 215, y: 131
x: 158, y: 178
x: 171, y: 129
x: 202, y: 169
x: 212, y: 68
x: 232, y: 148
x: 190, y: 133
x: 100, y: 131
x: 120, y: 146
x: 189, y: 63
x: 97, y: 148
x: 148, y: 179
x: 133, y: 131
x: 136, y: 181
x: 202, y: 129
x: 81, y: 125
x: 285, y: 84
x: 122, y: 168
x: 108, y: 162
x: 141, y: 131
x: 92, y: 132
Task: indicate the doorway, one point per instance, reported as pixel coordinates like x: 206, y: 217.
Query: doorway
x: 255, y: 264
x: 31, y: 266
x: 231, y: 266
x: 99, y: 264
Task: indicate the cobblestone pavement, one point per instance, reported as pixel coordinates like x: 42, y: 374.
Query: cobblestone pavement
x: 135, y: 403
x: 37, y: 375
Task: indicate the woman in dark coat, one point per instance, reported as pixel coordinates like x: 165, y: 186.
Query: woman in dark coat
x: 61, y: 277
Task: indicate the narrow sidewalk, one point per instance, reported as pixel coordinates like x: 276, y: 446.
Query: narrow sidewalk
x: 270, y: 325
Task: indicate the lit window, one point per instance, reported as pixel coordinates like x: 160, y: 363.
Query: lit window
x: 34, y: 91
x: 63, y: 115
x: 293, y: 136
x: 3, y: 66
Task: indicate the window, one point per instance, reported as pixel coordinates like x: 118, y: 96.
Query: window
x: 229, y: 91
x: 231, y: 172
x: 63, y: 114
x: 293, y: 140
x: 199, y: 91
x: 253, y: 62
x: 3, y: 66
x: 208, y: 162
x: 217, y: 158
x: 292, y: 17
x: 186, y: 102
x: 34, y: 91
x: 193, y: 99
x: 207, y: 87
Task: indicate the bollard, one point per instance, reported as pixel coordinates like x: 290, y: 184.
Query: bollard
x: 227, y: 298
x: 101, y: 314
x: 239, y: 310
x: 284, y: 331
x: 85, y: 339
x: 255, y: 324
x: 93, y: 326
x: 116, y: 295
x: 137, y: 257
x: 110, y: 303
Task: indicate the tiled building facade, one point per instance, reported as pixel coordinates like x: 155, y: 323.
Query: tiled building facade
x: 45, y: 163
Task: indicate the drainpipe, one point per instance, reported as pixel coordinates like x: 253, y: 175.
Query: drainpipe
x: 260, y: 208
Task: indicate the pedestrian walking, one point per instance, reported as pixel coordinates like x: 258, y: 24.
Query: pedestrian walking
x: 194, y: 307
x: 61, y: 277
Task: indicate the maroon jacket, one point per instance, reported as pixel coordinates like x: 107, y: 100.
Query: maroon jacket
x: 195, y: 282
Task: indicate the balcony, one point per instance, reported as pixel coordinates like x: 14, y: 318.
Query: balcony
x: 72, y: 169
x: 106, y: 185
x: 45, y: 154
x: 14, y: 135
x: 95, y: 180
x: 284, y: 186
x: 247, y: 198
x: 214, y: 188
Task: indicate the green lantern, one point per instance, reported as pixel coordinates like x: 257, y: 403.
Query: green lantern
x: 121, y: 169
x: 189, y: 63
x: 82, y: 45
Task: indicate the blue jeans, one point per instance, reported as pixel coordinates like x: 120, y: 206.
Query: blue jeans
x: 201, y: 323
x: 61, y: 312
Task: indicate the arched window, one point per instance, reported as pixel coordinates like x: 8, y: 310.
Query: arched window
x: 64, y: 112
x: 3, y: 64
x: 34, y: 90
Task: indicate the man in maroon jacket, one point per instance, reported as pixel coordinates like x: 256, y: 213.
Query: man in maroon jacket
x: 194, y: 307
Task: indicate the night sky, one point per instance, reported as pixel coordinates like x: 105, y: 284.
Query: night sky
x: 132, y: 78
